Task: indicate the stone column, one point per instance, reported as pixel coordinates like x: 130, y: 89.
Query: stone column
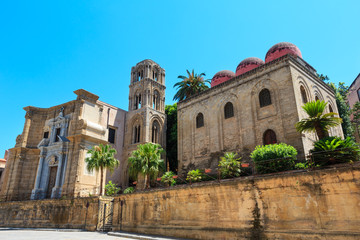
x: 56, y: 191
x: 35, y: 193
x: 25, y: 135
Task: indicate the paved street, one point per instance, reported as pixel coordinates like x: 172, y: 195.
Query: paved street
x: 53, y: 235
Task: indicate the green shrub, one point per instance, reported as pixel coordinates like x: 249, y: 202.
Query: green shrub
x: 168, y: 179
x: 301, y: 165
x: 194, y: 175
x: 111, y: 189
x: 331, y: 150
x: 230, y: 166
x: 129, y: 190
x: 274, y: 158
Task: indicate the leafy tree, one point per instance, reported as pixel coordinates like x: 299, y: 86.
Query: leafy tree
x: 146, y: 160
x: 323, y: 77
x: 318, y: 121
x: 274, y: 158
x: 168, y: 179
x: 190, y: 85
x: 343, y: 107
x: 230, y: 166
x: 341, y: 92
x: 111, y: 189
x: 171, y: 136
x: 102, y: 157
x: 356, y: 116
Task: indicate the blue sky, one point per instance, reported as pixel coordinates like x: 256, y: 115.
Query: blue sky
x: 48, y: 49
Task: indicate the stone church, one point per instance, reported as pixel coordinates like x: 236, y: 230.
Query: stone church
x: 258, y: 104
x: 48, y: 160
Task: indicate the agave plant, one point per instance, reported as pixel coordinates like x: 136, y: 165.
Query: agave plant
x: 194, y: 176
x: 168, y: 179
x: 332, y: 150
x: 230, y: 166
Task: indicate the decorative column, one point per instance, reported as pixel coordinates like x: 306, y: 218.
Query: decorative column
x: 36, y: 192
x: 56, y: 191
x: 25, y: 135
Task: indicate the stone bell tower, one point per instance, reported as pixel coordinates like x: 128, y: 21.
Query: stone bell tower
x: 146, y: 119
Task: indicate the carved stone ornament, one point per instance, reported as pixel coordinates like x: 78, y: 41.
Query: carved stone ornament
x: 29, y: 114
x: 18, y: 139
x: 53, y: 161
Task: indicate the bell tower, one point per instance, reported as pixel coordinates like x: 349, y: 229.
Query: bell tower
x: 146, y: 119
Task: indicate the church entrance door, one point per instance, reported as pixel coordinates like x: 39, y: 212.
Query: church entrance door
x: 52, y: 180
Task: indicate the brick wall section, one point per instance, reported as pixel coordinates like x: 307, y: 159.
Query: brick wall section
x: 51, y: 214
x: 323, y: 204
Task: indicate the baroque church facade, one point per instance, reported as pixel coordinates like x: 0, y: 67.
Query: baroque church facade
x: 48, y: 160
x: 258, y: 104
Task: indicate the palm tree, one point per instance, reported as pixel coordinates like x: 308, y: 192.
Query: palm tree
x: 190, y: 85
x: 146, y: 160
x: 318, y: 121
x: 102, y: 157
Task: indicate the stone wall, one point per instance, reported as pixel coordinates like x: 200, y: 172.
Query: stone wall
x: 322, y: 204
x: 79, y: 213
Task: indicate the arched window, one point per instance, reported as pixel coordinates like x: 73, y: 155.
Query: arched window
x: 316, y: 98
x: 265, y: 97
x: 137, y: 101
x: 156, y: 100
x: 228, y: 110
x: 269, y: 137
x: 199, y: 120
x: 155, y: 75
x: 155, y: 132
x: 330, y: 108
x: 303, y: 94
x: 137, y: 134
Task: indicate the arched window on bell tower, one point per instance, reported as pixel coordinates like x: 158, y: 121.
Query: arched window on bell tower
x: 137, y: 101
x: 137, y: 132
x: 156, y: 100
x: 155, y: 130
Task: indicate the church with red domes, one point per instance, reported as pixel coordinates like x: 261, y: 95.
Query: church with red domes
x: 259, y: 104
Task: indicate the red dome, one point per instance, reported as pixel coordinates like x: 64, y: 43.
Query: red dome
x: 248, y: 64
x: 282, y: 49
x: 221, y: 77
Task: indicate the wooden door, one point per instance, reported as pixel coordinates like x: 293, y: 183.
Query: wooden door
x: 52, y: 180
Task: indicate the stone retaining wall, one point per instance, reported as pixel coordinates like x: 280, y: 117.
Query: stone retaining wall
x: 322, y: 204
x: 81, y: 213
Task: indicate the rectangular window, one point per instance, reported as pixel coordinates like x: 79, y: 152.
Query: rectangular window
x: 111, y: 137
x: 46, y: 134
x: 358, y: 92
x: 57, y: 133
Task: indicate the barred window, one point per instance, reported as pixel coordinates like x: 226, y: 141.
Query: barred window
x: 228, y: 110
x: 111, y: 137
x: 269, y: 137
x: 199, y: 120
x: 303, y: 94
x: 46, y: 134
x: 265, y: 97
